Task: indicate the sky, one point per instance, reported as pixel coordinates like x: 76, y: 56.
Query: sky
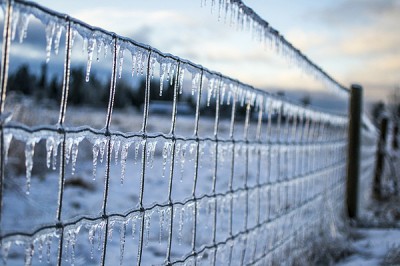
x: 354, y: 41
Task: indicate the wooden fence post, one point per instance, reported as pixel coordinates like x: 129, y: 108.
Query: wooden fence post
x: 380, y: 161
x: 354, y: 145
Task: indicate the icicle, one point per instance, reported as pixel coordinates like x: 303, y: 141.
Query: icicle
x: 106, y: 45
x: 181, y: 79
x: 58, y: 32
x: 210, y: 91
x: 134, y: 220
x: 15, y: 19
x: 182, y: 159
x: 23, y: 26
x: 110, y: 229
x: 165, y: 154
x: 40, y: 249
x: 29, y: 152
x: 143, y: 63
x: 138, y: 61
x: 49, y: 240
x: 116, y: 146
x: 137, y: 147
x: 133, y: 63
x: 95, y: 155
x: 195, y: 82
x: 29, y: 251
x: 120, y: 52
x: 99, y: 46
x: 162, y: 75
x: 91, y: 235
x: 147, y: 220
x: 124, y: 156
x: 151, y: 148
x: 122, y: 242
x: 180, y: 228
x: 152, y: 66
x: 50, y: 143
x: 90, y: 48
x: 50, y: 28
x: 5, y: 248
x: 161, y: 215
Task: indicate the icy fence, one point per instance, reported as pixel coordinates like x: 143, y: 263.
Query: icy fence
x: 248, y: 179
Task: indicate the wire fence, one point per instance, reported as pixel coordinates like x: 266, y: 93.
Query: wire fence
x: 246, y: 178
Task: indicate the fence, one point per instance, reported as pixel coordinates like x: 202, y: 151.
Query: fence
x: 249, y: 178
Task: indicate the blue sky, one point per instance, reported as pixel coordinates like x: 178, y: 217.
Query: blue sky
x: 354, y: 41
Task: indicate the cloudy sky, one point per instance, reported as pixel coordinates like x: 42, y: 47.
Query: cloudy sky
x: 354, y: 41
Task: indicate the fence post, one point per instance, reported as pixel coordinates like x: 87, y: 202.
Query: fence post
x: 353, y: 163
x: 377, y: 191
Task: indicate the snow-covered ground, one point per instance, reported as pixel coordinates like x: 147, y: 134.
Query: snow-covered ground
x: 375, y: 246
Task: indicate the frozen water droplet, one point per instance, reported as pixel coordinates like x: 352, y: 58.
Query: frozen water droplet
x: 90, y: 49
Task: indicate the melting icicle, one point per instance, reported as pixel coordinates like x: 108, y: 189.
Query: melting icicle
x: 151, y: 148
x: 58, y: 32
x: 137, y: 147
x: 90, y: 49
x: 29, y: 251
x: 165, y: 154
x: 50, y: 28
x: 161, y: 215
x: 5, y: 248
x: 23, y: 26
x: 122, y: 242
x: 162, y: 75
x: 124, y: 156
x: 182, y: 160
x: 180, y: 228
x: 116, y: 144
x: 147, y: 220
x: 181, y: 79
x: 134, y: 220
x: 29, y: 152
x: 120, y: 52
x: 99, y: 46
x: 7, y: 142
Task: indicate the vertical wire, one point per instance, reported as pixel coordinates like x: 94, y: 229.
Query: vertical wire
x: 171, y: 174
x: 196, y: 165
x: 144, y: 149
x: 3, y: 81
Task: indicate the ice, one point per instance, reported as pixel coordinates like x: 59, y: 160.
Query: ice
x: 181, y: 79
x: 29, y: 251
x: 57, y: 37
x: 167, y: 149
x: 50, y: 29
x: 122, y: 241
x: 124, y: 156
x: 151, y: 149
x: 137, y: 148
x: 115, y: 146
x: 110, y: 229
x: 5, y: 248
x: 23, y: 23
x: 29, y: 153
x: 120, y: 53
x: 135, y: 219
x: 195, y: 82
x: 147, y: 221
x: 99, y: 147
x: 99, y: 46
x: 182, y: 158
x: 70, y: 243
x: 91, y: 44
x: 163, y: 67
x: 7, y: 142
x: 161, y: 215
x: 181, y: 223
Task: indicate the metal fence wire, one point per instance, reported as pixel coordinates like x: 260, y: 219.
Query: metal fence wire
x: 246, y: 179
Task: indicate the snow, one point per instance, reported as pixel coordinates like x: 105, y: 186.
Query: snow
x: 373, y: 246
